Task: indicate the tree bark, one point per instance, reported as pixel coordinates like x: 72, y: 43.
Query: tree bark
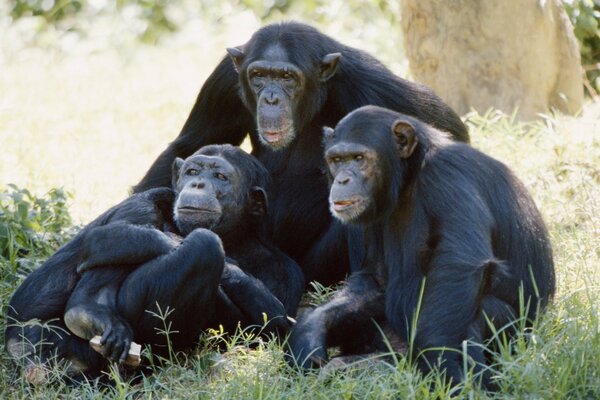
x: 510, y: 54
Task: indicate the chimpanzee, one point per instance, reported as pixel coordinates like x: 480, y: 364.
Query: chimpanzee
x: 151, y: 253
x: 282, y: 87
x: 435, y: 213
x: 235, y: 206
x: 35, y: 326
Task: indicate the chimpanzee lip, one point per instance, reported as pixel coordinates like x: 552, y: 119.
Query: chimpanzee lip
x: 340, y: 205
x: 273, y: 136
x: 190, y: 210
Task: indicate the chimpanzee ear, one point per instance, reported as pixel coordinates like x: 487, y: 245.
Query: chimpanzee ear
x: 258, y: 201
x: 237, y: 56
x: 405, y: 137
x: 175, y: 172
x: 329, y: 66
x: 328, y: 133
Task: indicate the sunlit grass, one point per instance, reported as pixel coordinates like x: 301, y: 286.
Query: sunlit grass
x: 93, y: 124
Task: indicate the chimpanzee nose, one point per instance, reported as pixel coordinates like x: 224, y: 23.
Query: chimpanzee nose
x: 199, y: 185
x: 271, y: 99
x: 343, y: 180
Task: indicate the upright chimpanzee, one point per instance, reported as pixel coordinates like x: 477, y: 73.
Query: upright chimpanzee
x: 129, y: 266
x: 282, y: 87
x: 434, y: 213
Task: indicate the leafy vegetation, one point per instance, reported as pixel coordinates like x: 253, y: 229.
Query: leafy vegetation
x: 152, y: 14
x: 585, y: 16
x: 31, y: 228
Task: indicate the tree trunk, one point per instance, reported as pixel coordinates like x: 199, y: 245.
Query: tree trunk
x: 510, y: 54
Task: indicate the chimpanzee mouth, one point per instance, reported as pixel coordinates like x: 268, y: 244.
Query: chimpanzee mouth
x: 189, y: 218
x: 348, y: 210
x: 194, y: 210
x: 342, y: 205
x: 273, y: 136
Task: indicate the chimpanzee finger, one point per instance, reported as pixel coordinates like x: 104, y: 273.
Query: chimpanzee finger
x: 125, y: 351
x: 105, y: 335
x: 117, y: 348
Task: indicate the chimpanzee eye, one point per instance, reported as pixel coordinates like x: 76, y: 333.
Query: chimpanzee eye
x: 256, y: 73
x: 359, y: 157
x: 191, y: 172
x: 220, y: 176
x: 287, y: 76
x: 336, y: 159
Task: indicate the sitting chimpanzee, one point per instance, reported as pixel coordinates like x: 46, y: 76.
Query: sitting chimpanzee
x: 434, y: 213
x: 281, y: 87
x: 151, y: 254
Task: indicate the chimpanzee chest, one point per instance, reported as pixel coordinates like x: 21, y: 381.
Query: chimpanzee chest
x: 298, y: 210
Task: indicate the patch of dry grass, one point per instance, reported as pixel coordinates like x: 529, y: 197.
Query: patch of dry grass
x: 94, y: 123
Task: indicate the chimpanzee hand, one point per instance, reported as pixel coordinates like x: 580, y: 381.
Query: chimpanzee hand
x: 116, y: 340
x: 93, y: 320
x: 307, y: 342
x: 354, y: 308
x: 255, y: 300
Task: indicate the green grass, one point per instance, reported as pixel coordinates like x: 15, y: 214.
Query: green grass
x: 93, y: 123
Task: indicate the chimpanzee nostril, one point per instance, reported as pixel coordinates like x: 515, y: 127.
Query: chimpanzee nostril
x: 199, y: 185
x: 344, y: 180
x: 272, y: 99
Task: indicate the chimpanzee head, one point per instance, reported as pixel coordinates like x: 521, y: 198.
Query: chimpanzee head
x: 283, y: 71
x: 221, y: 188
x: 370, y: 156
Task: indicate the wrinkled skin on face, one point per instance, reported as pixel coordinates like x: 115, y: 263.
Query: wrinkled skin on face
x: 353, y: 168
x: 276, y: 86
x: 277, y: 90
x: 209, y: 194
x: 359, y: 191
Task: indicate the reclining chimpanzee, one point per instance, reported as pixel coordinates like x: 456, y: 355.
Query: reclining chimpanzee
x: 434, y: 213
x: 151, y: 254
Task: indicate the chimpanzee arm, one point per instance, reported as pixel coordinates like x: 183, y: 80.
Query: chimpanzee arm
x: 455, y: 278
x: 219, y: 116
x: 91, y: 311
x: 327, y: 261
x: 254, y: 300
x: 181, y: 284
x: 122, y: 244
x: 347, y: 318
x: 277, y: 271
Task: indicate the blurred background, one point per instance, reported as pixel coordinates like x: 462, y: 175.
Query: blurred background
x: 92, y: 91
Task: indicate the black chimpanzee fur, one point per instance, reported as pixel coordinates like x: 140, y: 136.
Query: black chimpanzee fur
x: 435, y: 213
x: 282, y: 87
x: 152, y: 253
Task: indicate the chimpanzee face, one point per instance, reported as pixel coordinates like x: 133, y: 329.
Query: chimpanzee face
x: 211, y: 194
x: 278, y: 91
x: 276, y: 85
x: 366, y: 156
x: 354, y: 171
